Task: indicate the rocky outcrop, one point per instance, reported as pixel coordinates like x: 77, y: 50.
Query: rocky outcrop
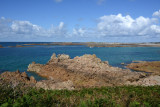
x: 86, y: 71
x: 22, y: 80
x: 84, y: 64
x: 17, y: 78
x: 152, y: 67
x: 149, y: 81
x: 35, y: 67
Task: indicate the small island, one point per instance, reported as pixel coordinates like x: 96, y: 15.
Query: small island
x: 1, y: 46
x: 19, y: 46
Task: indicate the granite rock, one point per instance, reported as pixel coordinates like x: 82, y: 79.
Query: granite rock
x: 85, y: 71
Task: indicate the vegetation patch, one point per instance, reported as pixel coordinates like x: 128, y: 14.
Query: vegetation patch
x: 90, y: 97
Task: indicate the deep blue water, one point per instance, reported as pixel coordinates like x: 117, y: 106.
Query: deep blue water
x: 12, y: 59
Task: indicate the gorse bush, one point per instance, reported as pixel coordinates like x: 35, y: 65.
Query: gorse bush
x: 132, y: 96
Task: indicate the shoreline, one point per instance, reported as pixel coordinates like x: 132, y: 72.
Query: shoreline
x: 89, y: 71
x: 88, y: 44
x: 99, y: 44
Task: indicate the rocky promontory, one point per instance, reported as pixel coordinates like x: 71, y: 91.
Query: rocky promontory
x: 151, y: 67
x: 88, y: 71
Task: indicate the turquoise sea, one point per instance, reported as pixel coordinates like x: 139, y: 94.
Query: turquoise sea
x: 12, y: 59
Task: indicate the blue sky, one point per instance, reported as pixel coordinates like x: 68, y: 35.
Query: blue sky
x: 80, y: 20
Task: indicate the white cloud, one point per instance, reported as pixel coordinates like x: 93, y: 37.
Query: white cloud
x: 157, y: 13
x: 25, y: 29
x: 79, y: 32
x: 156, y: 29
x: 58, y: 0
x: 61, y: 25
x: 108, y: 26
x: 118, y: 25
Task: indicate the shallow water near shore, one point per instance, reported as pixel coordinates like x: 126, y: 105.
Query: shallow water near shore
x: 12, y: 59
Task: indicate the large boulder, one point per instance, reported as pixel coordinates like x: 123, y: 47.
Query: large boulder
x: 35, y: 67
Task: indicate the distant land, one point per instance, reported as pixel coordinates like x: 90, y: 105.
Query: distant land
x: 90, y: 44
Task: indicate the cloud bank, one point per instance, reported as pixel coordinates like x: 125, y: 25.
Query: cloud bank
x: 118, y: 25
x: 26, y: 30
x: 108, y: 28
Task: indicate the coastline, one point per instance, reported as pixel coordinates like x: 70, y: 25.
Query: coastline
x: 84, y: 78
x: 101, y: 44
x: 88, y: 44
x: 89, y: 71
x: 85, y: 71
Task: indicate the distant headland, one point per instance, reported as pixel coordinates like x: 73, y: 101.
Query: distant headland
x: 88, y: 44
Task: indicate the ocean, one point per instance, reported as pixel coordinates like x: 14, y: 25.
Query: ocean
x: 12, y: 59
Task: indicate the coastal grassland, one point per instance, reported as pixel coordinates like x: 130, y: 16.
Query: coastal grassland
x: 120, y: 96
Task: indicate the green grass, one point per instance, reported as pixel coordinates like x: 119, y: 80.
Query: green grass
x: 124, y: 96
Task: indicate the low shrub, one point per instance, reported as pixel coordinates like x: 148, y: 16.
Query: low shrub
x: 131, y: 96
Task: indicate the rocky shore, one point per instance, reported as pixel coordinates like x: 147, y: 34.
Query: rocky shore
x: 89, y: 71
x: 22, y: 80
x: 85, y: 71
x: 15, y: 79
x: 150, y: 67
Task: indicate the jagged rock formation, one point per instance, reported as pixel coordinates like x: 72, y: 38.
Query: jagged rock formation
x: 87, y: 71
x: 80, y: 72
x: 17, y: 78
